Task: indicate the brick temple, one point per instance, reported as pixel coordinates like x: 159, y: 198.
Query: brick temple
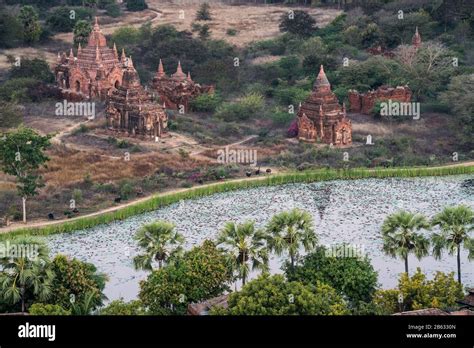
x: 177, y: 89
x: 322, y: 118
x: 416, y: 39
x: 132, y: 110
x: 94, y: 72
x: 364, y: 102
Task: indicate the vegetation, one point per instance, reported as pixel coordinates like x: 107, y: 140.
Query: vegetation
x: 273, y: 295
x: 27, y: 277
x: 298, y: 22
x: 289, y: 231
x: 416, y: 292
x: 456, y: 224
x: 161, y: 243
x: 201, y: 273
x: 352, y: 276
x: 245, y: 245
x: 163, y: 200
x: 22, y: 155
x: 204, y: 13
x: 400, y: 238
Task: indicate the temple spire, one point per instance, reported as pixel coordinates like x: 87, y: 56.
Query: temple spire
x: 416, y: 40
x: 189, y: 77
x: 123, y: 58
x: 178, y: 69
x: 79, y: 48
x: 115, y: 52
x: 96, y: 24
x: 130, y: 62
x: 161, y: 70
x: 322, y: 80
x: 71, y: 54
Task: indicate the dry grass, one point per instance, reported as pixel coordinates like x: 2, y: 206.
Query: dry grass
x: 252, y: 22
x: 69, y: 167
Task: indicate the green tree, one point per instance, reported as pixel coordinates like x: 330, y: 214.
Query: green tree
x: 25, y: 275
x: 119, y: 307
x: 456, y: 224
x: 273, y: 295
x: 245, y: 245
x: 298, y: 22
x: 458, y: 97
x: 62, y: 20
x: 11, y: 115
x: 35, y: 68
x: 31, y: 27
x: 289, y: 231
x: 136, y: 5
x: 47, y: 309
x: 74, y: 280
x: 204, y: 13
x: 416, y: 292
x: 400, y: 237
x: 82, y: 29
x: 10, y: 30
x: 22, y: 155
x: 200, y: 274
x: 204, y: 32
x: 352, y: 276
x: 160, y: 241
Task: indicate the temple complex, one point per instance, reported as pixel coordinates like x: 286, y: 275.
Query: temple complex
x: 131, y: 109
x: 364, y: 102
x: 96, y: 69
x: 177, y: 89
x: 321, y: 118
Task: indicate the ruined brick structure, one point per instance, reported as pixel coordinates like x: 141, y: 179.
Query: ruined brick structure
x: 177, y: 89
x: 321, y: 118
x: 364, y: 102
x: 131, y: 109
x: 94, y: 72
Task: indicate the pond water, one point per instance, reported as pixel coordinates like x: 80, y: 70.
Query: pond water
x: 349, y: 211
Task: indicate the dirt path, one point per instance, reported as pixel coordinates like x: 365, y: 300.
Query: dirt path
x: 118, y: 207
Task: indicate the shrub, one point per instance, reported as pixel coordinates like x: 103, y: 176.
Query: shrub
x: 206, y: 102
x: 231, y: 32
x: 204, y: 13
x: 273, y: 295
x: 47, y: 309
x: 136, y: 5
x: 119, y: 307
x: 202, y: 273
x: 36, y: 68
x: 352, y: 277
x: 298, y: 22
x: 60, y: 18
x: 126, y: 190
x: 18, y: 90
x: 248, y: 106
x: 113, y: 10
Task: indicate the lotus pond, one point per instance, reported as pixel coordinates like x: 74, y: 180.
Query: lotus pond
x: 344, y: 211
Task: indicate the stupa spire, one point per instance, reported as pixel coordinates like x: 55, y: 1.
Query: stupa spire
x: 161, y: 70
x: 189, y: 76
x: 115, y: 52
x: 322, y: 80
x: 124, y: 57
x: 179, y: 70
x: 97, y: 53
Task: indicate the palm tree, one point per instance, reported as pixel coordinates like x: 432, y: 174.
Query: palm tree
x: 25, y: 271
x: 161, y: 243
x: 400, y: 237
x: 289, y: 230
x: 455, y: 223
x: 246, y: 245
